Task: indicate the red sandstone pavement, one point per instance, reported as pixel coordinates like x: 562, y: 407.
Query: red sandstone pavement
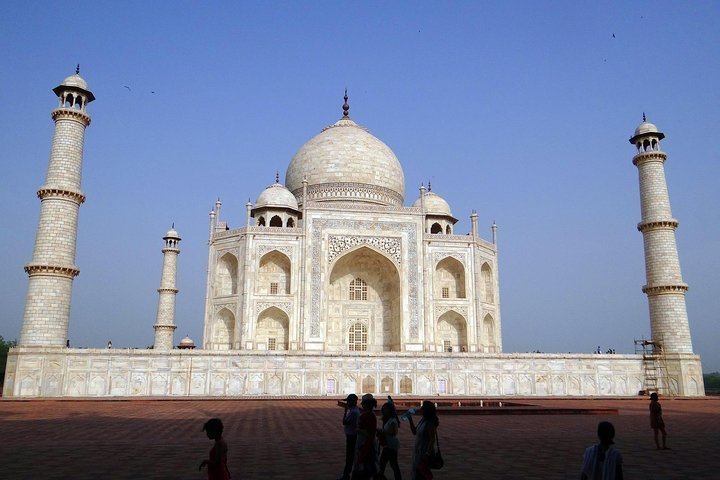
x: 302, y: 439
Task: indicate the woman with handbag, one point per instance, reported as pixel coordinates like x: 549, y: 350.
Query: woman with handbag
x: 425, y: 440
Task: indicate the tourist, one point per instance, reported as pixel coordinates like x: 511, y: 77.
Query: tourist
x: 366, y: 459
x: 350, y: 427
x: 217, y: 461
x: 656, y: 421
x: 425, y: 440
x: 389, y: 439
x: 603, y: 461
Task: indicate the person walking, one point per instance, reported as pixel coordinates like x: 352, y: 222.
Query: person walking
x: 389, y: 439
x: 425, y: 440
x: 350, y: 427
x: 656, y: 421
x: 603, y: 461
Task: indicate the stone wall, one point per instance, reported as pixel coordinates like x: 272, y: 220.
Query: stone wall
x: 59, y: 372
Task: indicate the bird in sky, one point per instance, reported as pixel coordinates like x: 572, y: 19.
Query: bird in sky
x: 613, y: 35
x: 129, y: 89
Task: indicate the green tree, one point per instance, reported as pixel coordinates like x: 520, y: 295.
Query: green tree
x: 4, y: 347
x: 712, y: 382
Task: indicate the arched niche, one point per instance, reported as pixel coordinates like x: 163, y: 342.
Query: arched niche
x: 452, y: 331
x: 368, y: 384
x: 223, y: 330
x: 273, y: 276
x: 379, y: 308
x: 449, y: 281
x: 436, y: 228
x: 406, y: 385
x: 276, y: 221
x: 489, y: 333
x: 273, y: 329
x: 226, y: 275
x: 488, y: 283
x: 386, y: 386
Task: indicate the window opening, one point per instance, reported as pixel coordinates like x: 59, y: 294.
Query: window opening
x: 358, y: 289
x: 272, y: 344
x: 357, y: 338
x: 446, y: 346
x: 445, y: 292
x: 273, y: 288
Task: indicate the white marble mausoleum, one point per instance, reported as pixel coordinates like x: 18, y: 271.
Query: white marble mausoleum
x: 337, y: 283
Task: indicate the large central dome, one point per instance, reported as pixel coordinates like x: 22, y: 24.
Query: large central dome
x: 345, y: 163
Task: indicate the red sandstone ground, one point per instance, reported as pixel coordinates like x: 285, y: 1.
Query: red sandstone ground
x: 302, y: 439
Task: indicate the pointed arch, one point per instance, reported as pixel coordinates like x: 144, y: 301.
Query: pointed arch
x: 488, y: 283
x: 375, y: 301
x: 436, y: 228
x: 226, y: 275
x: 406, y: 385
x: 449, y: 281
x: 291, y: 222
x: 274, y: 269
x: 261, y: 221
x: 273, y: 329
x: 223, y: 330
x: 387, y: 386
x: 276, y: 221
x: 452, y: 331
x: 368, y: 384
x: 489, y: 333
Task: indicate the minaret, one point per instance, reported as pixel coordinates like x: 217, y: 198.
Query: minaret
x: 165, y: 322
x: 665, y: 288
x: 52, y: 268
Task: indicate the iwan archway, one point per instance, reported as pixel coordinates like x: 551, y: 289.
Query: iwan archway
x: 363, y: 307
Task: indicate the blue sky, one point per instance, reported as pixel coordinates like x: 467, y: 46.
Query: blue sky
x: 520, y: 110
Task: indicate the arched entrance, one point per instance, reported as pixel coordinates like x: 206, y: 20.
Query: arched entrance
x: 364, y: 288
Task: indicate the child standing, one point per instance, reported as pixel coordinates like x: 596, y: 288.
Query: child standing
x: 217, y: 461
x: 389, y: 439
x: 656, y: 421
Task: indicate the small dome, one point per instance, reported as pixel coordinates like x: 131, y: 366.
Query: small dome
x: 172, y: 233
x: 186, y: 343
x: 276, y: 196
x: 348, y: 158
x: 645, y: 127
x: 434, y: 204
x: 75, y: 81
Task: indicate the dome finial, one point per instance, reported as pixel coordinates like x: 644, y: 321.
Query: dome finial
x: 77, y: 69
x: 429, y: 186
x: 644, y: 120
x: 173, y: 225
x: 277, y: 176
x: 346, y: 107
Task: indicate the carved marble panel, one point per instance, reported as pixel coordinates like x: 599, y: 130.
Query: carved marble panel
x: 337, y: 244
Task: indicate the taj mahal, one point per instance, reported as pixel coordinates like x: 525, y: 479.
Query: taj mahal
x: 339, y: 281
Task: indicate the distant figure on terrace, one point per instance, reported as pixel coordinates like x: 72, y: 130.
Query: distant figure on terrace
x: 217, y: 462
x: 656, y: 421
x: 603, y: 461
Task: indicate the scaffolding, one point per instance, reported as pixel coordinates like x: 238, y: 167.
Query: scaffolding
x: 656, y: 377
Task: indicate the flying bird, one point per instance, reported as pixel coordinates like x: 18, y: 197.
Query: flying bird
x: 613, y: 35
x: 129, y: 89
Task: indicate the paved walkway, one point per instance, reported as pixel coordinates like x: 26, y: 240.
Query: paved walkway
x: 302, y: 439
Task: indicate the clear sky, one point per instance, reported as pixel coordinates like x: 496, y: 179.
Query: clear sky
x: 520, y: 110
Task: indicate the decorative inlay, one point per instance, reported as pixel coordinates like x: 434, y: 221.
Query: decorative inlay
x: 220, y: 306
x: 443, y: 309
x: 232, y: 251
x: 361, y: 207
x: 661, y: 289
x: 338, y: 244
x: 166, y: 290
x: 35, y: 269
x: 649, y: 156
x: 316, y: 229
x: 263, y: 249
x: 350, y: 191
x: 45, y: 192
x: 284, y: 306
x: 72, y: 113
x: 437, y: 256
x: 672, y: 223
